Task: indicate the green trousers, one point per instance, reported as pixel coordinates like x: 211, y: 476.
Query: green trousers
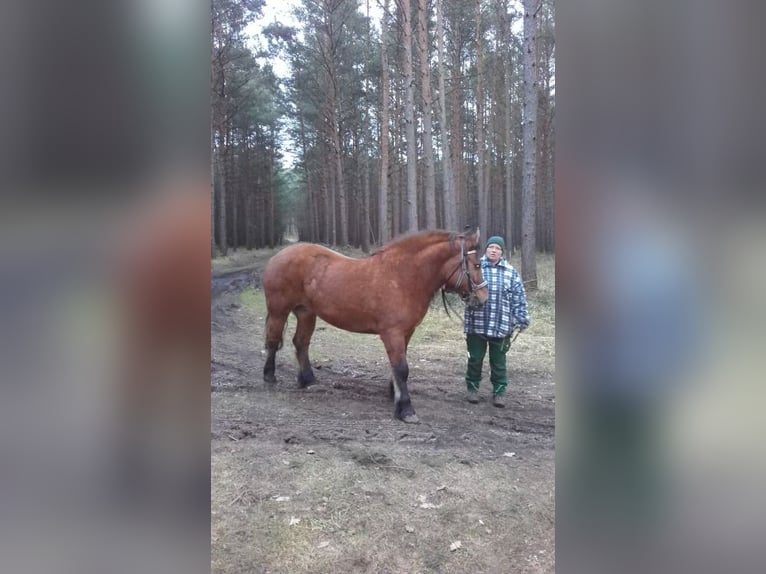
x: 477, y: 348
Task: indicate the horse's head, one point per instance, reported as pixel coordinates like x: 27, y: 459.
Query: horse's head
x: 466, y: 278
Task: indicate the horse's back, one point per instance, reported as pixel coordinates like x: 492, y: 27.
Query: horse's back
x: 291, y: 270
x: 296, y: 262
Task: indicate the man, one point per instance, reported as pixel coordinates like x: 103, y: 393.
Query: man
x: 493, y: 324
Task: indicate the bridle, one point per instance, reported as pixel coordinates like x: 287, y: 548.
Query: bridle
x: 464, y: 274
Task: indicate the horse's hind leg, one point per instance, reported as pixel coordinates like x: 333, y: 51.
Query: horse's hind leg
x: 275, y: 325
x: 301, y: 340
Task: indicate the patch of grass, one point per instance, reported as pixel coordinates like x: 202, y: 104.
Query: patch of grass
x: 253, y: 299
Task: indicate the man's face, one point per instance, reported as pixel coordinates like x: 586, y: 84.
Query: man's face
x: 494, y: 252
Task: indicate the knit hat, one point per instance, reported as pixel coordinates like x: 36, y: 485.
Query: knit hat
x: 497, y: 240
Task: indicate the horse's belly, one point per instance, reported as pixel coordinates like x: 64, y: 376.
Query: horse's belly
x: 346, y: 313
x: 355, y: 324
x: 343, y: 303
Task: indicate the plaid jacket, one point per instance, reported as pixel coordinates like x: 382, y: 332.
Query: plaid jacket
x: 506, y: 306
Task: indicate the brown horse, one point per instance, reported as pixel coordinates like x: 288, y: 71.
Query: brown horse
x: 387, y: 294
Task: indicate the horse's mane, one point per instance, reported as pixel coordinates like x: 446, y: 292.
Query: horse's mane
x: 416, y: 241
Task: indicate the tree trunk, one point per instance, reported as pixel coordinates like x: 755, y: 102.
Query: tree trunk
x: 310, y: 211
x: 528, y: 246
x: 507, y: 156
x: 428, y: 146
x: 398, y: 191
x: 332, y: 194
x: 337, y: 149
x: 411, y: 222
x: 545, y: 116
x: 271, y: 230
x: 328, y: 48
x: 260, y: 206
x: 450, y: 206
x: 383, y: 229
x: 221, y: 169
x: 328, y: 235
x: 457, y: 138
x: 481, y: 191
x: 342, y: 238
x: 212, y: 194
x: 222, y: 243
x: 235, y: 190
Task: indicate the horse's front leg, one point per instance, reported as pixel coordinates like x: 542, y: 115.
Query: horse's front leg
x: 396, y: 347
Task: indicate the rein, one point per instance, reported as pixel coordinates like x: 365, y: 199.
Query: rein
x: 446, y: 306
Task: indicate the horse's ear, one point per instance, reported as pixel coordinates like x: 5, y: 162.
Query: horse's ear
x: 470, y: 232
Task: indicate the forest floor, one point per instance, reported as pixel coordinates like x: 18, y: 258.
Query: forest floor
x: 326, y: 480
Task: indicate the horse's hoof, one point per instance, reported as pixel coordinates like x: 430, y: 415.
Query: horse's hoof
x: 411, y: 419
x: 270, y: 378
